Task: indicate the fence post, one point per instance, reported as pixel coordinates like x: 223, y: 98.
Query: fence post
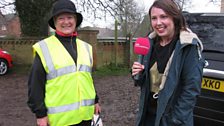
x: 115, y: 42
x: 90, y: 36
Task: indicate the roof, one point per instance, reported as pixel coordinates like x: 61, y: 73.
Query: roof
x: 103, y: 32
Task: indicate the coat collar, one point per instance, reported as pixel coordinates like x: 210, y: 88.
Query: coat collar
x: 186, y: 38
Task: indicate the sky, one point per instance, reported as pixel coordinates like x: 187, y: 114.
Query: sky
x: 197, y: 7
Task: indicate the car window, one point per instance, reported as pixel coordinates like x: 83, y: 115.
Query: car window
x: 209, y: 27
x: 214, y: 40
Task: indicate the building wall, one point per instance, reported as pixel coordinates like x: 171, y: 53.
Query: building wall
x: 110, y: 53
x: 2, y: 22
x: 20, y: 50
x: 13, y: 27
x: 3, y: 32
x: 104, y: 50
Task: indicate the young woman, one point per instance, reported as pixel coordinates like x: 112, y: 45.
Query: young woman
x: 171, y: 72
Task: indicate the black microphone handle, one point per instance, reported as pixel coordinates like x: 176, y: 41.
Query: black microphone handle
x: 140, y: 60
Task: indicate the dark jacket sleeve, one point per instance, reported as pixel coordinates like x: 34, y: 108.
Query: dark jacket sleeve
x: 36, y: 88
x: 141, y: 79
x: 96, y: 99
x: 190, y: 81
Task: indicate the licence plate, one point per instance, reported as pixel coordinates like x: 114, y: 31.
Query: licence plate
x: 212, y: 84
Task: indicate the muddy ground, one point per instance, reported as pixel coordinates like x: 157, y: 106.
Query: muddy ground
x: 118, y: 99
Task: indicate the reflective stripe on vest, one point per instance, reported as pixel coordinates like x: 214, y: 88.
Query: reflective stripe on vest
x: 53, y: 73
x: 89, y: 53
x: 74, y: 106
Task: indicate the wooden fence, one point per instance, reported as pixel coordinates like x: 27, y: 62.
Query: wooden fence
x: 105, y: 50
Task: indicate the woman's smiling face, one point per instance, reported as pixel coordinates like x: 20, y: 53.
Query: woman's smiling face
x: 162, y: 23
x: 65, y: 23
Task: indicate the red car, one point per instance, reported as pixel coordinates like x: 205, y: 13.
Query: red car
x: 5, y: 62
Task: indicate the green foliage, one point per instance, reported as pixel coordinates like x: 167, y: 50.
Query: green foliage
x: 32, y: 14
x: 112, y: 70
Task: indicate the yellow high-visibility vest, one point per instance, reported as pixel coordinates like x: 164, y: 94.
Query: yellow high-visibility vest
x: 70, y: 93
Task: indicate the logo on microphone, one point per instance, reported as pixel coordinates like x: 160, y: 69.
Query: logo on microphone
x: 141, y: 46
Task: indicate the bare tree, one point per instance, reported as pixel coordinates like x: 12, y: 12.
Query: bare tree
x: 215, y: 1
x: 128, y: 13
x: 184, y: 4
x: 7, y: 6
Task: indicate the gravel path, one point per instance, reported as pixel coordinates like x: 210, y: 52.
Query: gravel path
x: 118, y: 99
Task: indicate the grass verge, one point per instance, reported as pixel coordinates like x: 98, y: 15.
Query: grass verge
x: 111, y: 70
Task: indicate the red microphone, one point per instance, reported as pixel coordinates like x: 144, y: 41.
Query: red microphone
x: 141, y: 47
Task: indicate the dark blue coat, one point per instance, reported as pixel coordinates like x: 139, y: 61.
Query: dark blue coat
x: 182, y: 86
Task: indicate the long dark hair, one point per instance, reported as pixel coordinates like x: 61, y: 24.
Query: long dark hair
x: 172, y: 9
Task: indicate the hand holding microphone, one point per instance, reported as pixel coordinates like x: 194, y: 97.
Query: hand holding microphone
x: 141, y: 48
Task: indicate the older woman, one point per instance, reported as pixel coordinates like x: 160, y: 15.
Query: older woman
x: 171, y: 73
x: 61, y: 90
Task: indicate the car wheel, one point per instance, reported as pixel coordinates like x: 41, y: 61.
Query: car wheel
x: 3, y: 67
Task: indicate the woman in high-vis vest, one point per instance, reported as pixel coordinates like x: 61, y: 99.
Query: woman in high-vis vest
x: 60, y: 86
